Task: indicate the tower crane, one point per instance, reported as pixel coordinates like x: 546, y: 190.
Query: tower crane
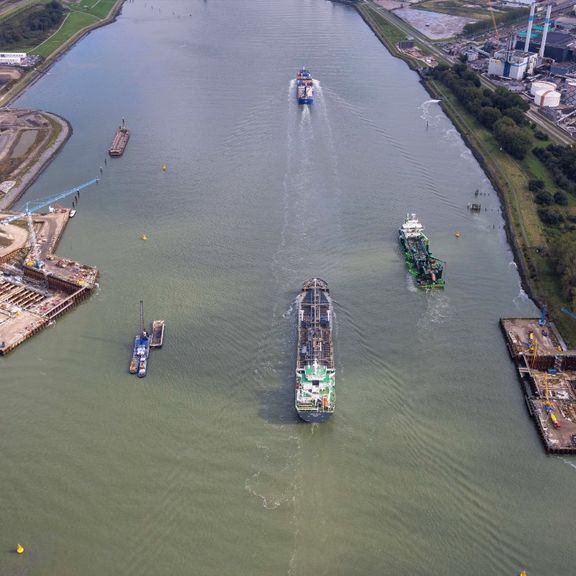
x: 33, y: 206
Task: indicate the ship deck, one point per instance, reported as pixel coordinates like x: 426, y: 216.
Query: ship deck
x: 315, y: 328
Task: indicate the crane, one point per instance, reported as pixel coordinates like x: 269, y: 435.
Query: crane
x: 35, y: 205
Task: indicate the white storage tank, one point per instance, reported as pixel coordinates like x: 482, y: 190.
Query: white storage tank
x: 547, y: 97
x: 541, y: 84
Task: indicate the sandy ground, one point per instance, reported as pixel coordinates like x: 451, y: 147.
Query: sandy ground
x: 9, y: 73
x: 433, y: 24
x: 393, y: 4
x: 31, y: 172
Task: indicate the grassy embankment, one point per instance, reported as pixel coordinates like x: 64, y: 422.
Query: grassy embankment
x: 472, y: 9
x: 390, y: 35
x: 510, y: 177
x: 80, y: 19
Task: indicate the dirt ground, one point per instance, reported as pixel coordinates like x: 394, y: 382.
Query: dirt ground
x: 393, y: 4
x: 433, y: 24
x: 8, y: 73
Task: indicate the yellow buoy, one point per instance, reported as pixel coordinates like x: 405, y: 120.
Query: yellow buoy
x: 457, y: 234
x: 144, y: 237
x: 164, y: 168
x: 19, y: 549
x: 523, y: 573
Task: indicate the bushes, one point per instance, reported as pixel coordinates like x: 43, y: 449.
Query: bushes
x: 561, y: 161
x: 535, y: 185
x: 500, y: 111
x: 31, y: 24
x: 550, y: 216
x: 544, y: 198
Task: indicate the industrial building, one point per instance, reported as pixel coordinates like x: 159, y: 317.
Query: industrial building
x: 12, y: 58
x: 513, y: 64
x: 555, y: 44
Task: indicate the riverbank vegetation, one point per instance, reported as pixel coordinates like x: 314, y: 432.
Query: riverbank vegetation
x: 548, y: 199
x: 539, y: 207
x: 31, y: 26
x: 78, y: 20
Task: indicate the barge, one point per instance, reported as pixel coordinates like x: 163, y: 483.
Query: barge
x: 315, y: 388
x: 120, y: 141
x: 157, y: 334
x: 546, y: 370
x: 426, y: 269
x: 141, y: 349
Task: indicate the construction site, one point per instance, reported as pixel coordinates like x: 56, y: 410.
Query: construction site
x: 547, y: 373
x: 36, y: 286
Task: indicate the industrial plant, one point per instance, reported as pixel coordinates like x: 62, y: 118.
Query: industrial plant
x: 535, y: 58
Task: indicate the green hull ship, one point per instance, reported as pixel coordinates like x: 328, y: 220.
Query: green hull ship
x: 422, y: 265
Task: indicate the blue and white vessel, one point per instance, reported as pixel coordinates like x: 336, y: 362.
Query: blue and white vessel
x: 304, y: 87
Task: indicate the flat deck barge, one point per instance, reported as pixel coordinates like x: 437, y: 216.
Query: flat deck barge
x: 547, y: 374
x: 157, y: 334
x: 120, y: 142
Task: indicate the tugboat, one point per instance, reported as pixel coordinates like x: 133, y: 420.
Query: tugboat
x: 304, y: 87
x: 315, y: 371
x: 422, y: 265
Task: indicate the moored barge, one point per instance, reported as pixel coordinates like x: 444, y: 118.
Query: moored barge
x: 157, y: 334
x: 315, y: 394
x: 120, y: 141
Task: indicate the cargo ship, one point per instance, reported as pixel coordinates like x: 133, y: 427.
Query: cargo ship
x: 315, y: 396
x: 304, y: 87
x: 422, y: 265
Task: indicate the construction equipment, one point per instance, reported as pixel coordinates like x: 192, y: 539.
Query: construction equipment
x: 33, y: 206
x: 542, y: 320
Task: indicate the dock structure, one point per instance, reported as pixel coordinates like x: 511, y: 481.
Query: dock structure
x: 547, y: 372
x: 120, y: 141
x: 32, y: 298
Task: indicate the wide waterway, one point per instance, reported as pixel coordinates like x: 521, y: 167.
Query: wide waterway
x: 430, y: 465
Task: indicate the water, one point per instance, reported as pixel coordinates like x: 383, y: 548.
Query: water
x: 430, y: 464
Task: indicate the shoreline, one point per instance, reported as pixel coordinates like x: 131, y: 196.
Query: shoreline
x: 66, y: 130
x: 44, y: 160
x: 519, y: 259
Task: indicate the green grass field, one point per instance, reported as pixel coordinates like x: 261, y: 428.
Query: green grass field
x: 455, y: 8
x: 73, y: 23
x: 98, y: 8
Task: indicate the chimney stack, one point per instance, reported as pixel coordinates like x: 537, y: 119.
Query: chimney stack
x: 545, y: 33
x: 530, y: 22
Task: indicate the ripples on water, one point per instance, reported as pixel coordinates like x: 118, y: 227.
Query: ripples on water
x: 429, y: 465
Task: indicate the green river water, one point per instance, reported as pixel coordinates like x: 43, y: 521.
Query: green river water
x: 430, y: 465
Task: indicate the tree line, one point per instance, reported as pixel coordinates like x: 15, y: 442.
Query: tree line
x: 501, y: 111
x: 31, y: 24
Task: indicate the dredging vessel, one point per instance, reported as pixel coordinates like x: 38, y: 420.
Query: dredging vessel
x: 315, y: 395
x: 422, y: 265
x: 304, y: 87
x: 141, y: 349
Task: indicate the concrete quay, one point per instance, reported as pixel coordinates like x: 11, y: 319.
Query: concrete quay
x: 32, y: 298
x: 547, y: 372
